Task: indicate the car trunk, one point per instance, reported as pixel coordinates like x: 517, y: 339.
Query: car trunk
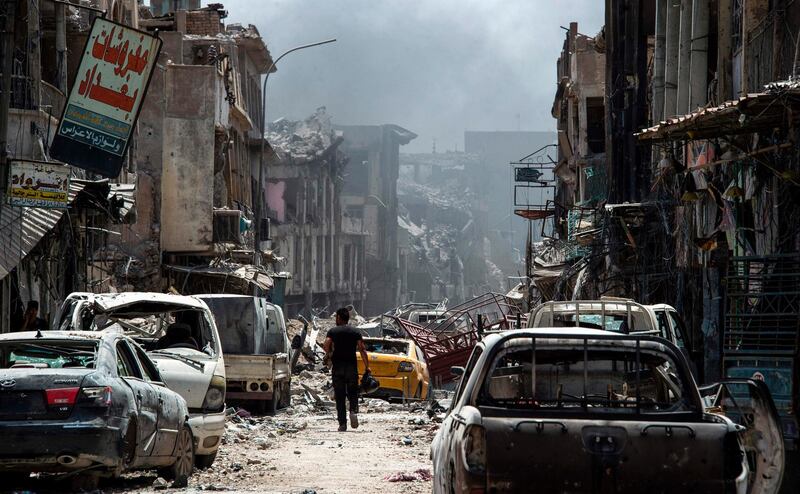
x: 602, y: 455
x: 23, y: 393
x: 381, y: 364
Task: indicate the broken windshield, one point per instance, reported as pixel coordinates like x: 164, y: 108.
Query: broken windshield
x: 48, y: 354
x: 583, y: 379
x: 388, y: 347
x: 187, y: 329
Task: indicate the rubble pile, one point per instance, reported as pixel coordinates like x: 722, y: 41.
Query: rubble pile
x: 300, y: 142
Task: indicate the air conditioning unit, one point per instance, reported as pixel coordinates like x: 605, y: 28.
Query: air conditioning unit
x: 227, y: 226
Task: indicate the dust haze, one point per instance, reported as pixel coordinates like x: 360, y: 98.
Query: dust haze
x: 435, y: 67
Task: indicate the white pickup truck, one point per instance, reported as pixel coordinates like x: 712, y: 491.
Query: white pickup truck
x: 622, y: 316
x: 256, y: 346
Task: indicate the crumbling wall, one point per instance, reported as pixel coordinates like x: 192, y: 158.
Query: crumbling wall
x: 187, y: 192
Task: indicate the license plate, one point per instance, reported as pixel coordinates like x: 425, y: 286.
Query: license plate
x: 22, y: 403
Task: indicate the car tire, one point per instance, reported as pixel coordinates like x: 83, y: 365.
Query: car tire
x: 180, y: 471
x: 272, y: 404
x: 286, y: 394
x: 205, y: 461
x: 129, y: 444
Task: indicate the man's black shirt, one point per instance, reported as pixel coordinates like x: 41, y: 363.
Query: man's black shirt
x: 345, y: 342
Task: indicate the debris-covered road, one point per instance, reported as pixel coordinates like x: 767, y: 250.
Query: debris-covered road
x: 299, y: 450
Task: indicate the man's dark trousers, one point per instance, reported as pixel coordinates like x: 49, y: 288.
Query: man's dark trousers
x: 345, y: 386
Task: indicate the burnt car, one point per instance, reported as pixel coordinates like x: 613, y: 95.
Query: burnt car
x: 88, y: 405
x: 581, y: 410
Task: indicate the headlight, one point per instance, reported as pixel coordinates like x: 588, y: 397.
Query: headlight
x: 215, y: 396
x: 405, y: 367
x: 474, y: 448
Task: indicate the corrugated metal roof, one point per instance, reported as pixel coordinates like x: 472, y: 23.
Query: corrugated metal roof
x: 21, y: 229
x: 750, y: 113
x: 125, y: 192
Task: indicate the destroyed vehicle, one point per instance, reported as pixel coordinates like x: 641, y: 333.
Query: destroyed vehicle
x: 180, y: 335
x: 89, y: 404
x: 399, y: 367
x: 582, y: 410
x: 256, y: 348
x: 619, y: 315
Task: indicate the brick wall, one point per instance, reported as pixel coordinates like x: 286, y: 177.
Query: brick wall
x: 204, y: 22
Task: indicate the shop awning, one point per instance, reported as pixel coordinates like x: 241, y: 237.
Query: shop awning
x: 233, y: 277
x: 21, y: 229
x: 775, y: 107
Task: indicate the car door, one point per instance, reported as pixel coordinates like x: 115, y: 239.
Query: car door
x: 748, y: 403
x: 146, y: 400
x: 690, y: 347
x: 451, y: 427
x: 168, y: 420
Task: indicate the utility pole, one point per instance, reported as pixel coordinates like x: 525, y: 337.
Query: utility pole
x: 6, y: 51
x: 61, y: 47
x: 34, y: 53
x: 260, y: 193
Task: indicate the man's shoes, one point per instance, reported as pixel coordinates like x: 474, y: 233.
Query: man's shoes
x: 343, y: 428
x: 354, y: 420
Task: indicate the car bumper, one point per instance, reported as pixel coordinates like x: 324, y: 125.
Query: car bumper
x: 61, y: 446
x: 392, y: 387
x: 207, y: 430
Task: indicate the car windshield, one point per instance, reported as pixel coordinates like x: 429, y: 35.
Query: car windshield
x: 54, y: 354
x: 389, y: 347
x: 583, y: 379
x: 594, y: 315
x: 187, y: 329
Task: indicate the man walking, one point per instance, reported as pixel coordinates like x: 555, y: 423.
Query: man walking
x: 340, y: 349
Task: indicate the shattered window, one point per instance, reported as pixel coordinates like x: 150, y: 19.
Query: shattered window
x: 388, y: 347
x: 599, y: 381
x: 54, y: 354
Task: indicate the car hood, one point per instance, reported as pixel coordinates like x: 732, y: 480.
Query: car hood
x: 187, y: 373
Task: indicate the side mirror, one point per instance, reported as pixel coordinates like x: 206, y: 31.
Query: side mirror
x: 457, y: 371
x: 296, y: 342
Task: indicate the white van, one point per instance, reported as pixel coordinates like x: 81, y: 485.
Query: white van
x: 180, y: 336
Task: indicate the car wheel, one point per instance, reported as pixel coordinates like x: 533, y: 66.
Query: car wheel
x: 274, y: 403
x: 129, y: 444
x: 180, y: 471
x: 205, y: 461
x: 418, y: 394
x: 286, y: 395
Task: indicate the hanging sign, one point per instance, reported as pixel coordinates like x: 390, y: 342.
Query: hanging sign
x: 38, y: 184
x: 527, y: 175
x: 106, y: 97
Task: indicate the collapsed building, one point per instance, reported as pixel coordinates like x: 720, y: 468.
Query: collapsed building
x: 324, y: 247
x: 446, y: 225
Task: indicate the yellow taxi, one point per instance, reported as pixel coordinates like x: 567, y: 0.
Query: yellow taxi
x: 399, y: 366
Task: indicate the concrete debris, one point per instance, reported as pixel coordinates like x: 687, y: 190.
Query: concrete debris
x: 423, y: 474
x: 160, y: 484
x: 299, y: 142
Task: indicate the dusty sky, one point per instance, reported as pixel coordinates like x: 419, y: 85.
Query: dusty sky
x: 435, y: 67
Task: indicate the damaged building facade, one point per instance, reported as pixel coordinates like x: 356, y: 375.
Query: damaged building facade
x: 47, y: 253
x: 201, y: 120
x: 324, y: 249
x: 699, y: 205
x: 180, y: 214
x: 369, y: 198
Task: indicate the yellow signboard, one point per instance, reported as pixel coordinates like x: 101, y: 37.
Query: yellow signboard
x: 38, y: 184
